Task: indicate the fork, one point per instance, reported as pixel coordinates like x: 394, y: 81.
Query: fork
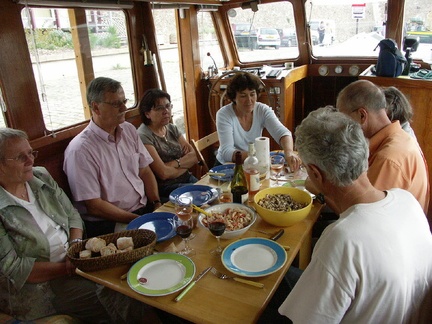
x: 221, y: 275
x: 200, y: 210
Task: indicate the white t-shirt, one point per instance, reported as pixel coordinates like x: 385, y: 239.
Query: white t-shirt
x: 374, y: 265
x: 233, y: 137
x: 55, y: 234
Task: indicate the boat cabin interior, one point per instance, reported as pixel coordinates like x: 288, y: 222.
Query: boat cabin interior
x: 51, y: 50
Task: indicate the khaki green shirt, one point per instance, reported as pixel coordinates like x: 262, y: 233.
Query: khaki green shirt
x: 22, y: 243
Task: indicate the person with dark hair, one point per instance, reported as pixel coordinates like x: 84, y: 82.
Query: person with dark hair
x: 321, y: 32
x: 395, y: 160
x: 244, y: 119
x: 172, y: 154
x: 399, y: 108
x: 107, y: 165
x: 373, y: 265
x: 37, y: 224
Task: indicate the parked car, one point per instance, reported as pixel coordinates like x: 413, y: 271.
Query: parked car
x: 245, y: 35
x: 288, y: 37
x: 268, y: 37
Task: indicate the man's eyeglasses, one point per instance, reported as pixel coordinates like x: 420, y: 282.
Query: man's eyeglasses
x: 22, y: 158
x: 116, y: 104
x: 160, y: 108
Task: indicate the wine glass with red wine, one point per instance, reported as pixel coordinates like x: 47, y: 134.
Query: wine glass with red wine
x: 217, y: 228
x: 184, y: 229
x: 184, y: 209
x: 277, y: 163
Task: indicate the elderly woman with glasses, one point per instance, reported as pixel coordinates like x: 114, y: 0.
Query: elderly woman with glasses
x: 37, y: 224
x: 172, y: 154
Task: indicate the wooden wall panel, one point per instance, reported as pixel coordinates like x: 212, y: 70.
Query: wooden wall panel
x: 17, y: 85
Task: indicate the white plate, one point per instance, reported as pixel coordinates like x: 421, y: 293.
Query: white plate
x: 164, y: 273
x: 254, y: 257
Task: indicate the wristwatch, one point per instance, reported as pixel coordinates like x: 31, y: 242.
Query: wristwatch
x: 178, y: 163
x: 77, y: 240
x: 320, y: 198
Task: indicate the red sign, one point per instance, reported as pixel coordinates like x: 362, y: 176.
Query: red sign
x: 358, y: 10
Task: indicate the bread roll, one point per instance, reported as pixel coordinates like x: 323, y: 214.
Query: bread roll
x: 85, y: 254
x: 112, y: 246
x: 124, y: 243
x: 130, y: 248
x: 108, y: 250
x: 95, y: 244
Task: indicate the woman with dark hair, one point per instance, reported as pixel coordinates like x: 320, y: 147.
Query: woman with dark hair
x: 244, y: 119
x: 172, y: 154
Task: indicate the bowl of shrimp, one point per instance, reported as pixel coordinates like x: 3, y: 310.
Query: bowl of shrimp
x: 238, y: 218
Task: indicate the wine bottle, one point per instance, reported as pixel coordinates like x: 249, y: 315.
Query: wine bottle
x: 239, y: 188
x: 250, y: 168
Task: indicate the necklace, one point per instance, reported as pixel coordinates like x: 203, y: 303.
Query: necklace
x: 164, y: 134
x: 24, y: 194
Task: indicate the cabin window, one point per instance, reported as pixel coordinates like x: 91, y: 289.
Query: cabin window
x: 418, y: 23
x: 344, y: 28
x: 208, y: 43
x: 264, y: 31
x: 56, y: 71
x: 166, y: 35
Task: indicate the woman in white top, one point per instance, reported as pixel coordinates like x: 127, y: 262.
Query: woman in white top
x: 244, y: 119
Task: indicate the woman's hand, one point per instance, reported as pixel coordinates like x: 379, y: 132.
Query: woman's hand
x: 70, y: 268
x: 293, y: 161
x: 185, y: 150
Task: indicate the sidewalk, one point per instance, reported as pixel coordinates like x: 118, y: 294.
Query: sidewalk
x: 64, y: 106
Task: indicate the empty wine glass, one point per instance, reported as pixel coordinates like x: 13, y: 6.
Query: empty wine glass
x: 183, y: 207
x: 277, y: 163
x: 217, y: 228
x: 184, y: 229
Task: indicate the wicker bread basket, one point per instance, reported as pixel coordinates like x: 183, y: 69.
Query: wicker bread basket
x: 144, y: 242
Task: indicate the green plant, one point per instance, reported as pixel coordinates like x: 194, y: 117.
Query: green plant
x: 111, y: 40
x: 49, y: 39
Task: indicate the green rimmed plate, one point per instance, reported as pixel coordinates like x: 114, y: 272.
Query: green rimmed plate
x: 161, y: 274
x: 299, y: 183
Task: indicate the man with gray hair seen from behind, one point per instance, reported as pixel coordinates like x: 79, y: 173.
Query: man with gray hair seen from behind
x: 373, y: 264
x: 107, y: 164
x: 395, y: 159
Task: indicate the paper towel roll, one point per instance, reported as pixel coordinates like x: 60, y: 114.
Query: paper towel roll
x: 262, y: 149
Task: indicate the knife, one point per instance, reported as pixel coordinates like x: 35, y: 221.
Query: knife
x: 184, y: 292
x: 278, y: 235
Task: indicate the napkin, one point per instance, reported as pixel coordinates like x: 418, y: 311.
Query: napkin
x: 262, y: 149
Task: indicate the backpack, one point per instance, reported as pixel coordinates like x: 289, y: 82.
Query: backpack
x: 390, y: 62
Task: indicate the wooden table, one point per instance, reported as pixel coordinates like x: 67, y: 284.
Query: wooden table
x: 214, y: 300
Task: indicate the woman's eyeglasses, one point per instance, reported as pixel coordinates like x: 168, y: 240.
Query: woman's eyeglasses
x: 22, y: 158
x: 116, y: 104
x: 160, y: 108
